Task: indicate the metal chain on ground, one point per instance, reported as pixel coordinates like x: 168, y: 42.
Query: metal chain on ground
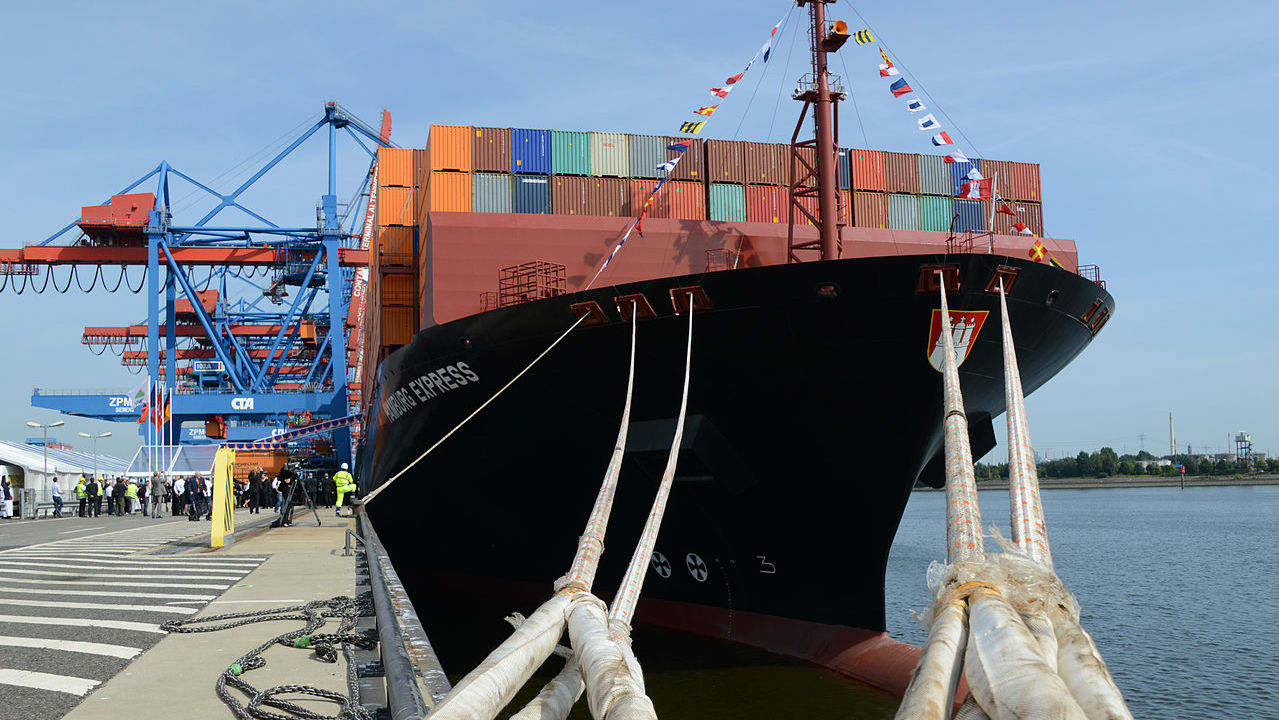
x: 315, y: 614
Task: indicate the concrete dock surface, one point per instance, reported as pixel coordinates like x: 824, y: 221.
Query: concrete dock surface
x: 176, y: 677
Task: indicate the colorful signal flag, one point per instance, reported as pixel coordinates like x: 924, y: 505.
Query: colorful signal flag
x: 692, y: 128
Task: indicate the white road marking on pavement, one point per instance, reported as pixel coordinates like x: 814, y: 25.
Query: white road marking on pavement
x: 285, y: 601
x: 71, y: 564
x: 84, y: 623
x: 152, y: 560
x: 113, y: 583
x: 104, y: 593
x: 69, y: 532
x: 47, y: 681
x: 91, y: 648
x: 209, y: 576
x: 94, y: 606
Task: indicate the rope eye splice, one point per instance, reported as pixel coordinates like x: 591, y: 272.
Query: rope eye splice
x: 600, y: 661
x: 347, y: 610
x: 1005, y: 620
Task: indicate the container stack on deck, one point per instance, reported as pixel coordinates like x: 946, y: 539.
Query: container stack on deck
x: 471, y: 169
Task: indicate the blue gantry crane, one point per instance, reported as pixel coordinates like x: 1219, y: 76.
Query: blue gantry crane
x: 248, y: 329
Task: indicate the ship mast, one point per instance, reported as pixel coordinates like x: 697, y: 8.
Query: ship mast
x: 822, y: 91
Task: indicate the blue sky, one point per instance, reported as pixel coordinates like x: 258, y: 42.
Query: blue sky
x: 1153, y: 124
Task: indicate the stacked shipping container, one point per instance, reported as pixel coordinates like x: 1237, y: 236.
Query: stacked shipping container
x: 517, y: 170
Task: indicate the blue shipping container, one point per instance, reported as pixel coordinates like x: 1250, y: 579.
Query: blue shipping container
x: 972, y: 215
x: 531, y: 194
x: 845, y: 170
x: 959, y: 173
x: 531, y: 151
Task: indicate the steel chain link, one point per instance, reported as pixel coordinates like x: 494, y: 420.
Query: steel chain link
x: 315, y: 614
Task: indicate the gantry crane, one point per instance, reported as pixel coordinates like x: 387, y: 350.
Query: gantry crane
x: 249, y: 325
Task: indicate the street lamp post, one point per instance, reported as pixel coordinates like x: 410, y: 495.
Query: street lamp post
x: 95, y: 439
x: 45, y: 429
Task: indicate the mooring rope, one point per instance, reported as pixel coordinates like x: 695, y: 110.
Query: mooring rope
x: 315, y: 614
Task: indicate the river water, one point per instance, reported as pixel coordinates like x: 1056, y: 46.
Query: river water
x: 1180, y: 589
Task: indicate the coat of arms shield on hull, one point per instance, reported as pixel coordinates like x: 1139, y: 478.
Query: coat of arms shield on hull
x: 964, y: 326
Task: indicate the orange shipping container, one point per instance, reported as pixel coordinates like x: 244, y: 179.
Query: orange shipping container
x: 398, y: 325
x: 868, y: 169
x: 998, y: 171
x: 421, y: 176
x: 692, y: 163
x: 677, y: 200
x: 449, y: 147
x: 396, y: 245
x: 870, y: 209
x: 395, y: 167
x: 724, y: 161
x: 398, y: 289
x: 491, y: 150
x: 901, y: 172
x: 450, y: 192
x: 395, y: 206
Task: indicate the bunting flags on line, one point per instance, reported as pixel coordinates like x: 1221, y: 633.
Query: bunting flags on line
x: 900, y: 88
x: 914, y: 105
x: 1005, y: 210
x: 1037, y: 251
x: 863, y: 37
x: 1021, y: 229
x: 928, y: 122
x: 943, y: 138
x: 680, y: 146
x: 956, y: 156
x: 886, y: 70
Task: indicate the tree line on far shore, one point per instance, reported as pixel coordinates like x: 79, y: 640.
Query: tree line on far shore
x: 1107, y: 463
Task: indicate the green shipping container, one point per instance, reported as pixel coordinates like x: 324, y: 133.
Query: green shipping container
x: 610, y: 155
x: 934, y: 176
x: 728, y: 202
x: 570, y: 153
x: 903, y: 212
x: 934, y: 212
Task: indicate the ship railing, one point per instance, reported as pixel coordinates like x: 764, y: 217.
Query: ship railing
x: 413, y: 679
x: 1093, y: 273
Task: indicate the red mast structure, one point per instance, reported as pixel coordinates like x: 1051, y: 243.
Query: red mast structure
x: 817, y: 158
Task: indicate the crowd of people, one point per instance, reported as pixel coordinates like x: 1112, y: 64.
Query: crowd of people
x: 193, y: 496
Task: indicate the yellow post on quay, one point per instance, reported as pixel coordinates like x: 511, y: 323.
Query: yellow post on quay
x: 223, y: 498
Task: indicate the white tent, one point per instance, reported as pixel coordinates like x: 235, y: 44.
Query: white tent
x: 25, y: 466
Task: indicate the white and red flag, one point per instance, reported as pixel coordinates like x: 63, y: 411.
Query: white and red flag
x: 975, y: 189
x: 956, y: 156
x: 1021, y: 229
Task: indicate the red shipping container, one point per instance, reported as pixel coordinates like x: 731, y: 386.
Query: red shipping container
x: 901, y: 172
x: 568, y: 195
x: 766, y: 203
x: 782, y: 153
x: 1025, y: 182
x: 607, y: 197
x: 491, y: 150
x: 870, y: 209
x: 762, y: 164
x: 724, y: 161
x: 998, y: 171
x: 868, y: 171
x: 1031, y: 214
x: 677, y: 200
x: 692, y: 163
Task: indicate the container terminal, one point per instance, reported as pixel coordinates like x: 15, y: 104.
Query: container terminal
x: 378, y: 338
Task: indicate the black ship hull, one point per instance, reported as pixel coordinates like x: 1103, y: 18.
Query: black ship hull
x: 813, y: 410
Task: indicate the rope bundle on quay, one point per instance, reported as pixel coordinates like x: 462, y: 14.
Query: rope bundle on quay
x: 1005, y: 621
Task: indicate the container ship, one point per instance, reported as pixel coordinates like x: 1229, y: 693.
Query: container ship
x: 815, y: 402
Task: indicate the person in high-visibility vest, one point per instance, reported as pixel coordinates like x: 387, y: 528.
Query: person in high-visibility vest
x: 131, y: 495
x: 343, y: 483
x: 82, y: 495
